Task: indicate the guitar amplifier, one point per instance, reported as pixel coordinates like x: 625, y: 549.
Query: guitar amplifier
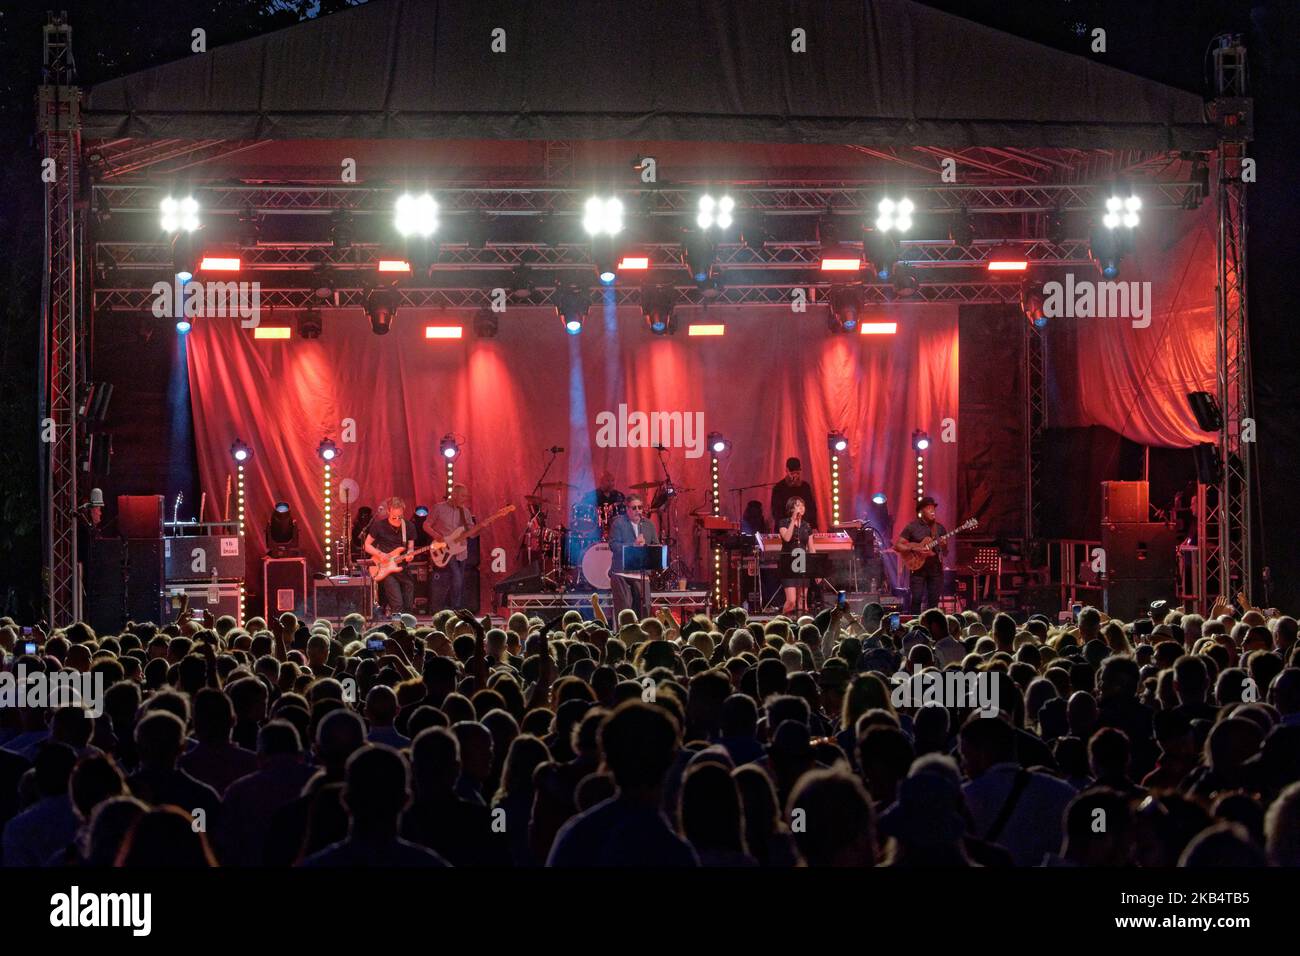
x: 198, y: 557
x: 337, y: 597
x: 284, y: 586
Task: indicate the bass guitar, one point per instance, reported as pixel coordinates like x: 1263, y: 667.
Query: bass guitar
x: 441, y: 552
x: 916, y: 556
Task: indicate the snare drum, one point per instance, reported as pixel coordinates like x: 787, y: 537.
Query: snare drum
x: 596, y: 561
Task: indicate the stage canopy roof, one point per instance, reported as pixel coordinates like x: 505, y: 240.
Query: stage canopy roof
x: 880, y: 73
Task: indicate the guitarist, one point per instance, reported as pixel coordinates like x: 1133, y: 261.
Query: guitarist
x: 929, y: 577
x: 386, y: 533
x: 444, y: 518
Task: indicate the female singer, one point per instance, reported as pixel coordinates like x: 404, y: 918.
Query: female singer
x: 794, y: 534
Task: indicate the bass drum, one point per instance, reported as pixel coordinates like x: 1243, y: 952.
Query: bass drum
x: 596, y: 562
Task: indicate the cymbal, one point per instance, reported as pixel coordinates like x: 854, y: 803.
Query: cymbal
x: 539, y: 500
x: 643, y: 485
x: 558, y: 484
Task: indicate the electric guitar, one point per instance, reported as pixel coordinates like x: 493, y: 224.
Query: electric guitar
x: 441, y: 552
x: 913, y: 558
x: 392, y: 562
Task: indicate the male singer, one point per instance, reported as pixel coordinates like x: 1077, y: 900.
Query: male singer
x: 633, y: 528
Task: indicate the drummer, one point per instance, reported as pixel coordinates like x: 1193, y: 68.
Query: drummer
x: 604, y: 493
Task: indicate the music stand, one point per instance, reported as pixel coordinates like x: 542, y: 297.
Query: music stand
x: 817, y: 565
x: 638, y: 561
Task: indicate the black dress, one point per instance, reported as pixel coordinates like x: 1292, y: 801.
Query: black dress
x: 797, y: 540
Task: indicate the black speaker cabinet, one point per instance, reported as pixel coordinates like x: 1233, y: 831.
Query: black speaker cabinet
x: 104, y: 564
x: 1146, y: 550
x: 144, y: 579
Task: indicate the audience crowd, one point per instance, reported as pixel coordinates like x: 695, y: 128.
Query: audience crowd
x: 1169, y: 740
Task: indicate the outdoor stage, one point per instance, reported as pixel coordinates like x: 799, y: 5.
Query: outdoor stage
x: 1030, y: 396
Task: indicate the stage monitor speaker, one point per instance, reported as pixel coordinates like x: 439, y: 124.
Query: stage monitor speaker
x: 1124, y: 502
x: 106, y: 585
x: 1145, y: 551
x: 526, y: 580
x: 337, y: 597
x: 144, y: 579
x: 140, y: 516
x: 284, y: 586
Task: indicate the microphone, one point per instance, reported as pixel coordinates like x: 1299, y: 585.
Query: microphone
x: 555, y: 449
x: 659, y: 447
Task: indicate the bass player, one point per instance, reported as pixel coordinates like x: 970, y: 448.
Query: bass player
x: 928, y: 579
x: 387, y: 533
x: 445, y: 518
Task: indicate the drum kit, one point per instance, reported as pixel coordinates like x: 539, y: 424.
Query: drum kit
x: 577, y: 556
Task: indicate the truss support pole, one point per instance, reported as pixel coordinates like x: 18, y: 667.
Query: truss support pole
x: 1226, y: 547
x: 1035, y: 426
x: 58, y: 125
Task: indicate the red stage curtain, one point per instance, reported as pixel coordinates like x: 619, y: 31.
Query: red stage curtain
x: 1134, y: 381
x: 774, y: 385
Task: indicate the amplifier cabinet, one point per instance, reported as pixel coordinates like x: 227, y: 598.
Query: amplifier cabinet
x: 219, y: 597
x: 337, y: 597
x: 199, y: 557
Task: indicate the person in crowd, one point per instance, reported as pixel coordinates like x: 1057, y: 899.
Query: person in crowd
x: 649, y: 742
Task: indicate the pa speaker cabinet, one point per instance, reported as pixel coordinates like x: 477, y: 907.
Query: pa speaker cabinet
x: 198, y: 557
x: 284, y: 586
x: 219, y: 597
x: 106, y: 585
x: 1125, y: 502
x: 144, y: 579
x: 1146, y: 550
x: 337, y: 597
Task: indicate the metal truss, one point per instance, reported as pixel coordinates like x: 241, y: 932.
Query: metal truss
x: 804, y: 199
x: 1226, y: 554
x: 1035, y: 427
x: 140, y: 300
x: 58, y: 126
x: 309, y: 256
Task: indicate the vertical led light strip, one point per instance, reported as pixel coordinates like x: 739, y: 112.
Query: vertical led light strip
x: 716, y: 492
x: 835, y: 487
x: 328, y: 511
x: 239, y: 491
x: 451, y: 473
x: 920, y: 476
